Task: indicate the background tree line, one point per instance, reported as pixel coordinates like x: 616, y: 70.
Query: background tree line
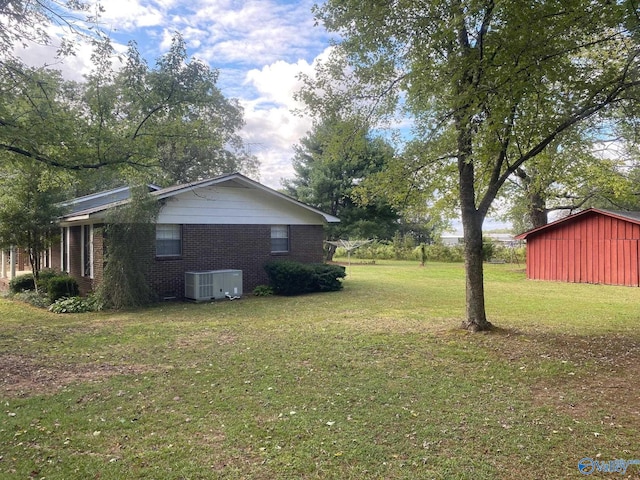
x: 506, y: 102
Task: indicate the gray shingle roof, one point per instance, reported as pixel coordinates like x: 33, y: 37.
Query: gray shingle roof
x: 237, y: 179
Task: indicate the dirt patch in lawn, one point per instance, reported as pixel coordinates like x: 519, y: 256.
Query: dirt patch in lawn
x: 24, y: 377
x: 605, y: 386
x: 597, y: 375
x: 613, y: 401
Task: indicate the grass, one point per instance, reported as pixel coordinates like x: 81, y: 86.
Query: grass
x: 375, y: 381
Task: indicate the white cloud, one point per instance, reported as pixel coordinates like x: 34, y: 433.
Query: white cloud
x: 255, y: 32
x: 128, y: 15
x: 272, y: 128
x: 270, y: 135
x: 259, y: 47
x: 277, y: 82
x: 73, y: 67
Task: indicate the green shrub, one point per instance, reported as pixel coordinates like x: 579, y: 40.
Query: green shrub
x: 22, y: 283
x: 72, y: 305
x: 95, y: 302
x: 44, y: 276
x: 328, y: 277
x: 62, y: 286
x: 37, y: 299
x: 263, y: 291
x: 502, y: 253
x: 403, y: 246
x: 445, y: 253
x: 289, y: 278
x: 488, y: 249
x: 295, y: 278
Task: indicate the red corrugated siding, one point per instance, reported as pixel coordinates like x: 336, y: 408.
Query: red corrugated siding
x: 593, y: 249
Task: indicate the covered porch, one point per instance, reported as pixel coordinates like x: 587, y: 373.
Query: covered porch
x: 12, y: 264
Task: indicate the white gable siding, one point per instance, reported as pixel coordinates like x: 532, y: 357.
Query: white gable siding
x: 231, y: 205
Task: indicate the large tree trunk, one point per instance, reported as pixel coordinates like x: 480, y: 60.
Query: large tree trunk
x: 472, y: 220
x: 472, y: 217
x: 538, y: 210
x: 476, y: 318
x: 536, y: 202
x: 329, y: 252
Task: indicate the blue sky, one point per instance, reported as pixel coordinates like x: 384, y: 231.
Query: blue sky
x: 258, y: 46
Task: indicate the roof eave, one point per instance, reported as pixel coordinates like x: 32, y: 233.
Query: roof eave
x: 99, y: 212
x: 66, y: 222
x: 524, y: 235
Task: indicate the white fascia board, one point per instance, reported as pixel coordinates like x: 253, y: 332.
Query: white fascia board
x: 328, y: 218
x: 71, y: 221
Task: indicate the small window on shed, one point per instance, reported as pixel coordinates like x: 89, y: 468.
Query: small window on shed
x: 279, y: 238
x: 168, y: 240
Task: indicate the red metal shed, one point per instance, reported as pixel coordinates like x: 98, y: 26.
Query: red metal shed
x: 593, y: 246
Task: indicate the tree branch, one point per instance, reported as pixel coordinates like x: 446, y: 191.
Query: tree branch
x: 74, y: 167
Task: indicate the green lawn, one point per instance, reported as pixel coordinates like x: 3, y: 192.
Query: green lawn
x: 375, y: 381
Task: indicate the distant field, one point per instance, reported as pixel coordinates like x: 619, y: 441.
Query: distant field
x: 374, y: 381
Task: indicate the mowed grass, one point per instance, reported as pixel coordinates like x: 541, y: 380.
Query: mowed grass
x: 375, y: 381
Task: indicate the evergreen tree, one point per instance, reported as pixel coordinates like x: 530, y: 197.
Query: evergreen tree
x: 329, y: 163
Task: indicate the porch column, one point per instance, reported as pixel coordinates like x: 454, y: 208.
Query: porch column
x: 12, y: 263
x: 3, y: 264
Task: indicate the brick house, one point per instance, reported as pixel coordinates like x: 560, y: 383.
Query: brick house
x: 227, y: 222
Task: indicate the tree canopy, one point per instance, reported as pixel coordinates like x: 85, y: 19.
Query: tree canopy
x: 489, y: 87
x: 170, y: 120
x: 566, y: 178
x: 330, y: 162
x: 27, y: 21
x: 29, y: 196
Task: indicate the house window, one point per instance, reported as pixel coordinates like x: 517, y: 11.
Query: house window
x: 279, y: 238
x: 87, y: 251
x: 168, y: 240
x: 46, y: 258
x: 64, y: 249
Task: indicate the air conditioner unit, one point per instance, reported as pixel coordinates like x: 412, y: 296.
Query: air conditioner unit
x: 212, y: 285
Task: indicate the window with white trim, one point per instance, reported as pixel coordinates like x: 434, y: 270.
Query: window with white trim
x: 46, y: 258
x: 279, y: 238
x: 87, y: 251
x: 64, y: 249
x: 168, y: 240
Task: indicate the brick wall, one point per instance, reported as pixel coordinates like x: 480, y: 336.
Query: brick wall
x: 86, y: 284
x: 98, y: 255
x: 204, y: 247
x: 240, y: 247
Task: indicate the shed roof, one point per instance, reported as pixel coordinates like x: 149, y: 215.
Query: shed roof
x: 633, y: 217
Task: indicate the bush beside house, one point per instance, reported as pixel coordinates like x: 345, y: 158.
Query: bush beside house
x: 295, y: 278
